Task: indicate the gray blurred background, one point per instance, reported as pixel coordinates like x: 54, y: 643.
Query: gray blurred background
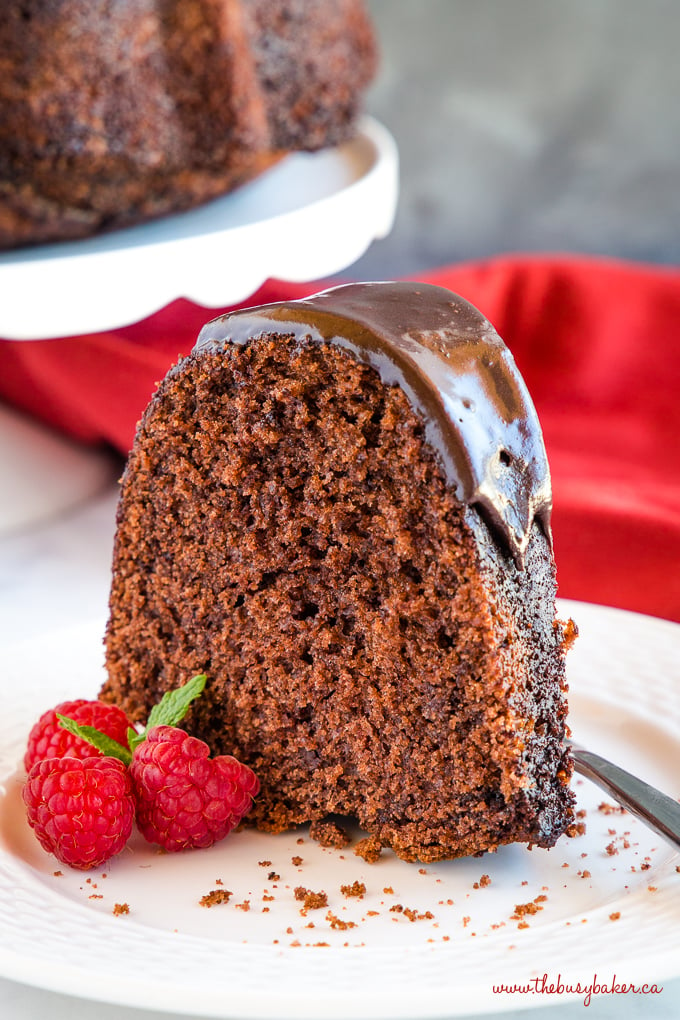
x: 530, y: 126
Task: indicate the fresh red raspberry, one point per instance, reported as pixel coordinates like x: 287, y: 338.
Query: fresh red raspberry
x: 48, y: 739
x: 82, y: 810
x: 184, y: 797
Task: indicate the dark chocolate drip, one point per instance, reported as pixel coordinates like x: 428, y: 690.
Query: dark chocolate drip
x: 455, y: 370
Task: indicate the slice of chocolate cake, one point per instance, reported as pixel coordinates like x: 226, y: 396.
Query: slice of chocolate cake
x: 338, y: 509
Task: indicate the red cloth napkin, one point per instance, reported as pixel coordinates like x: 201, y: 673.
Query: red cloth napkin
x: 598, y: 343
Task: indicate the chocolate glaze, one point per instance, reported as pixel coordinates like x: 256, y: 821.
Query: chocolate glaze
x: 455, y: 370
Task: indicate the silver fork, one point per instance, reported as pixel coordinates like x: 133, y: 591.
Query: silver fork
x: 660, y: 812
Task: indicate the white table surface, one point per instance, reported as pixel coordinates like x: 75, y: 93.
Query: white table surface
x: 54, y: 572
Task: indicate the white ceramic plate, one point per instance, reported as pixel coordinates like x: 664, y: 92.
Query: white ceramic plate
x: 309, y: 217
x: 605, y: 914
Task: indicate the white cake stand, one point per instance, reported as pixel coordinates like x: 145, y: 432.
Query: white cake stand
x: 309, y: 217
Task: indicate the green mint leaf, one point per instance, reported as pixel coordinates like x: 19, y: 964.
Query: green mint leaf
x: 134, y: 738
x: 174, y: 705
x: 107, y: 745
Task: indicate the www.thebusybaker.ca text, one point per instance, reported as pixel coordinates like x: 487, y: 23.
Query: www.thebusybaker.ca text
x: 545, y: 986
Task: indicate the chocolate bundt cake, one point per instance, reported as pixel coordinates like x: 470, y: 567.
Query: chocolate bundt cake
x: 338, y: 509
x: 115, y: 111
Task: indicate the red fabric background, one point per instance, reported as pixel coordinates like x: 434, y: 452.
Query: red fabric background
x: 598, y: 343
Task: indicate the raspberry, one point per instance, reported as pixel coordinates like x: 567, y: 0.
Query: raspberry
x: 48, y: 739
x: 184, y: 797
x: 81, y: 809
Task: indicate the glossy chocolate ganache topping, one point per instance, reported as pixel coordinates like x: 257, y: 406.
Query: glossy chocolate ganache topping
x: 456, y: 371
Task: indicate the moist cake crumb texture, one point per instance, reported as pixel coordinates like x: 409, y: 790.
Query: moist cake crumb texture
x: 373, y: 650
